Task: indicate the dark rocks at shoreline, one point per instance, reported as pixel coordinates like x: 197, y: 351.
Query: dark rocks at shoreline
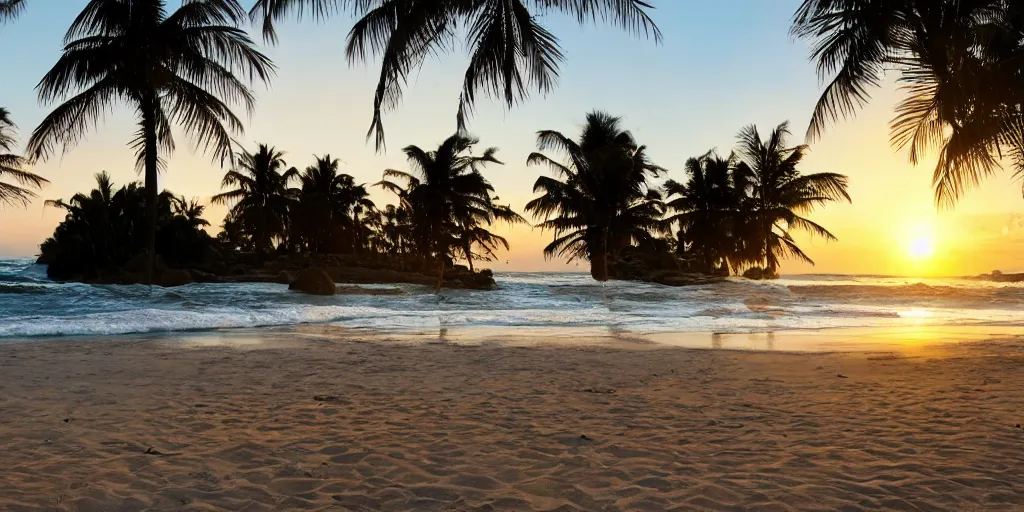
x: 226, y: 267
x: 997, y: 276
x: 313, y: 281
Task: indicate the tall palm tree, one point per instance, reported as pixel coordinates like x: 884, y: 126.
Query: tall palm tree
x: 780, y: 195
x: 10, y: 9
x: 446, y: 196
x: 709, y: 210
x: 603, y: 202
x: 184, y: 67
x: 511, y: 53
x: 13, y: 166
x: 262, y: 199
x: 330, y: 203
x: 959, y: 62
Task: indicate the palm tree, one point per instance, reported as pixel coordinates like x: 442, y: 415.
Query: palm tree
x: 511, y: 53
x: 190, y: 210
x: 182, y: 68
x: 603, y: 203
x: 10, y: 9
x: 262, y: 200
x: 473, y: 234
x: 446, y: 196
x: 958, y: 61
x: 780, y: 194
x: 13, y: 166
x: 331, y: 203
x: 709, y: 211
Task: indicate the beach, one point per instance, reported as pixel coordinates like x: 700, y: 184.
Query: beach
x: 314, y: 418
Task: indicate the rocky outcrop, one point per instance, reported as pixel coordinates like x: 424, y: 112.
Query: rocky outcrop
x: 656, y: 266
x: 313, y: 281
x: 173, y: 277
x: 758, y: 274
x: 998, y: 277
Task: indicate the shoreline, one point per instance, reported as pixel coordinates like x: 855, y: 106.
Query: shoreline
x: 827, y: 340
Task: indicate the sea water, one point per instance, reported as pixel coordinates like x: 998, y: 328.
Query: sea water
x: 33, y: 306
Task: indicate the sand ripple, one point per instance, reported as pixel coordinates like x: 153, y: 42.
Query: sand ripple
x: 150, y: 426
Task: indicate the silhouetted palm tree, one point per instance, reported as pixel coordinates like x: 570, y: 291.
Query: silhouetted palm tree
x: 330, y: 204
x: 603, y: 203
x: 190, y: 210
x: 709, y: 210
x: 10, y: 9
x: 511, y: 53
x: 13, y: 166
x: 445, y: 196
x: 474, y: 234
x: 105, y: 228
x: 780, y: 194
x: 262, y: 199
x: 183, y: 68
x: 959, y: 62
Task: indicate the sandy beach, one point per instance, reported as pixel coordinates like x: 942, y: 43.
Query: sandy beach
x: 291, y: 420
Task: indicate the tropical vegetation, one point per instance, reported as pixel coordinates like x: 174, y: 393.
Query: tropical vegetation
x: 448, y: 203
x: 600, y: 201
x: 511, y: 53
x: 12, y: 167
x: 106, y: 229
x: 959, y: 62
x: 605, y: 202
x: 731, y: 215
x: 184, y: 68
x: 739, y: 213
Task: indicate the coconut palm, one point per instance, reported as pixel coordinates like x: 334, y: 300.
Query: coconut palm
x: 190, y: 210
x: 602, y: 203
x: 184, y: 67
x: 446, y: 196
x: 13, y: 166
x: 780, y: 195
x: 511, y: 53
x: 473, y: 235
x: 959, y: 62
x: 329, y: 205
x: 105, y: 228
x: 709, y: 211
x: 261, y: 199
x: 10, y: 9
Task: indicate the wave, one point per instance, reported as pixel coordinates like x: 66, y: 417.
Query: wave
x: 31, y: 306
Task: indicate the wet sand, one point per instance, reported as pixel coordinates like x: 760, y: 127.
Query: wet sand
x: 315, y: 419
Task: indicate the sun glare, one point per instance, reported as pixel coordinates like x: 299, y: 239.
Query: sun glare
x: 921, y: 247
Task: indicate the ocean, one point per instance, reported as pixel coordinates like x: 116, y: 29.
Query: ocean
x: 33, y: 306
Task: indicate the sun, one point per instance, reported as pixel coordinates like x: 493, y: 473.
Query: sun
x: 921, y: 247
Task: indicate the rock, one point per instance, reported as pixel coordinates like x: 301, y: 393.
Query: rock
x: 285, y: 277
x: 757, y: 274
x: 313, y: 281
x: 173, y: 277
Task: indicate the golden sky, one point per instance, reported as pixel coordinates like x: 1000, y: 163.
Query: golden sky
x: 682, y: 98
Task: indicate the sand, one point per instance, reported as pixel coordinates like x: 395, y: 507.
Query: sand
x: 298, y: 420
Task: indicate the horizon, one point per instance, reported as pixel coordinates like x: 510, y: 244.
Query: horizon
x: 318, y: 104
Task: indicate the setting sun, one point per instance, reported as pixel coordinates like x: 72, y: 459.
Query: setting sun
x: 921, y: 247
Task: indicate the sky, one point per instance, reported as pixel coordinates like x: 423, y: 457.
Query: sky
x: 723, y: 64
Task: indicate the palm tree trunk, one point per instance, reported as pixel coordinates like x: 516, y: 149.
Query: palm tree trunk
x: 469, y: 253
x: 599, y: 259
x: 150, y: 159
